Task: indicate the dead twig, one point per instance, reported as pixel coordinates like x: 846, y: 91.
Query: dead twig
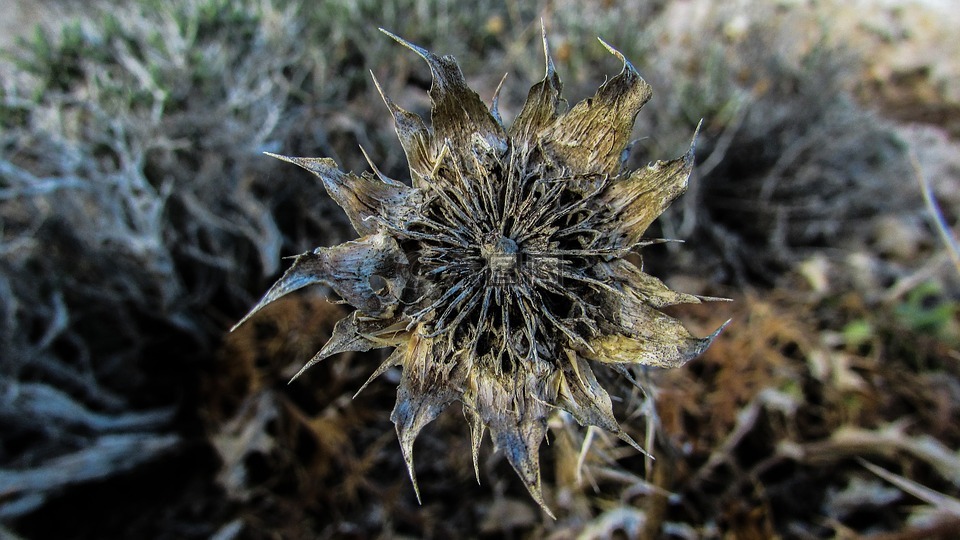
x: 942, y: 227
x: 23, y: 490
x: 853, y: 441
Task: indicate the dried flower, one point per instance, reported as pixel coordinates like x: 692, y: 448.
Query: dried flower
x: 498, y: 276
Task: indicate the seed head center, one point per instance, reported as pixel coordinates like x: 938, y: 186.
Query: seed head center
x: 501, y: 254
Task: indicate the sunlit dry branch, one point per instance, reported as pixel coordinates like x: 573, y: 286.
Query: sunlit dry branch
x: 943, y: 229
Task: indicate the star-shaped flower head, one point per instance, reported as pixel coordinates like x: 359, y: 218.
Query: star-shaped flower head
x: 499, y: 276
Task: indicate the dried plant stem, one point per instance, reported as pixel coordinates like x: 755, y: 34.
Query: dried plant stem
x: 942, y: 227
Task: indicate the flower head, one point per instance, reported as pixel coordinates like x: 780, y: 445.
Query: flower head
x: 499, y: 276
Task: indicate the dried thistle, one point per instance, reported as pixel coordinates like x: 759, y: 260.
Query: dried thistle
x: 498, y: 276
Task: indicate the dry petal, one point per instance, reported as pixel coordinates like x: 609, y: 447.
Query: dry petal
x: 370, y: 203
x: 425, y: 391
x: 582, y: 396
x: 359, y: 333
x: 542, y: 106
x: 458, y: 112
x: 592, y: 137
x: 414, y: 138
x: 645, y: 194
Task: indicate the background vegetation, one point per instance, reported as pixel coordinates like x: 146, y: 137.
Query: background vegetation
x: 139, y: 220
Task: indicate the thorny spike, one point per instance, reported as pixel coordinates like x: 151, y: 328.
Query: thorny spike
x: 406, y: 446
x: 344, y: 338
x: 548, y: 61
x: 394, y: 359
x: 499, y: 276
x: 425, y: 54
x: 307, y: 269
x: 476, y: 438
x: 543, y: 102
x: 373, y: 166
x: 369, y: 203
x: 524, y: 458
x: 409, y: 418
x: 629, y: 440
x: 495, y: 103
x: 413, y: 134
x: 409, y: 126
x: 596, y: 131
x: 394, y: 109
x: 626, y: 64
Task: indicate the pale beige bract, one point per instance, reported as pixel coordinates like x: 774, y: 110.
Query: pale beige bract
x: 498, y: 276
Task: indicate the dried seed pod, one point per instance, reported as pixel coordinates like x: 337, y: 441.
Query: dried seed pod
x: 499, y: 275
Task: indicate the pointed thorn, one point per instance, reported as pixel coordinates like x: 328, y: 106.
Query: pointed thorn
x: 536, y: 494
x: 548, y: 511
x: 693, y: 142
x: 408, y: 458
x: 704, y: 343
x: 385, y: 179
x: 625, y: 373
x: 494, y: 106
x: 305, y: 163
x: 384, y: 366
x: 546, y: 51
x: 243, y: 320
x: 714, y: 299
x: 376, y: 84
x: 425, y: 54
x: 264, y: 302
x: 476, y: 435
x: 288, y: 283
x: 629, y: 440
x: 722, y: 326
x: 655, y: 241
x: 288, y: 159
x: 627, y: 66
x: 613, y: 51
x: 389, y: 102
x: 316, y: 358
x: 476, y: 471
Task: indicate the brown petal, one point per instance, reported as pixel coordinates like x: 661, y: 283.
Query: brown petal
x: 458, y: 112
x: 582, y: 396
x: 641, y: 197
x: 521, y: 444
x: 347, y: 268
x: 360, y: 333
x: 543, y: 102
x: 592, y: 136
x: 477, y: 427
x: 517, y: 419
x: 371, y: 202
x: 414, y: 138
x: 647, y: 288
x: 646, y: 336
x: 428, y: 384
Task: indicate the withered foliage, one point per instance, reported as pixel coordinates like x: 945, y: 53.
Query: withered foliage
x: 499, y: 274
